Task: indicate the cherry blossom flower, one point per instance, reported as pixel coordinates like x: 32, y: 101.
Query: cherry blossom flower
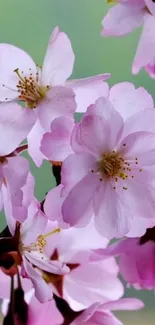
x: 31, y: 243
x: 137, y: 259
x: 126, y: 16
x: 87, y: 281
x: 99, y: 314
x: 126, y: 99
x: 112, y: 162
x: 44, y: 90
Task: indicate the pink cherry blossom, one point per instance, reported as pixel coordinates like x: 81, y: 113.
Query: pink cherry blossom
x: 100, y: 314
x: 126, y: 99
x: 87, y: 281
x: 126, y: 16
x: 44, y: 89
x: 31, y: 250
x: 137, y: 259
x: 112, y: 162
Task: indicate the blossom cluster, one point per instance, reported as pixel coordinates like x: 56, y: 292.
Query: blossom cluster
x: 57, y: 265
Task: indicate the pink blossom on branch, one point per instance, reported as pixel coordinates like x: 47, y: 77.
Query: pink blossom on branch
x: 112, y: 162
x: 126, y: 16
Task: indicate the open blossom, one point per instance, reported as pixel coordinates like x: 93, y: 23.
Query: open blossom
x: 44, y: 90
x: 137, y: 259
x: 126, y: 16
x: 111, y: 163
x: 87, y: 281
x: 126, y: 99
x: 100, y: 314
x: 31, y: 257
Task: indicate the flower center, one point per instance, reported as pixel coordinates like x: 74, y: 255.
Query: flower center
x: 40, y: 243
x: 112, y: 165
x: 29, y: 89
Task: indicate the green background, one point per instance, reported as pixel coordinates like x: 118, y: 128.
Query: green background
x: 29, y: 23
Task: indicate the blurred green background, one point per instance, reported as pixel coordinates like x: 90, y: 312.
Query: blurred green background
x: 29, y: 23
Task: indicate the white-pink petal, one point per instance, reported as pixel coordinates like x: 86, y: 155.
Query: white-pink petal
x: 15, y: 124
x: 121, y: 20
x: 8, y: 78
x: 59, y: 59
x: 55, y: 145
x: 59, y: 101
x: 145, y: 53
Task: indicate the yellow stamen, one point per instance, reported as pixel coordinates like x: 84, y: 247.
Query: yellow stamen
x: 52, y: 232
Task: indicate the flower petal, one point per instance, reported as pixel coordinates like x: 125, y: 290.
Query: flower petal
x: 52, y: 205
x: 88, y: 90
x: 145, y: 51
x: 114, y: 120
x: 43, y: 291
x: 33, y: 226
x: 128, y: 100
x: 45, y: 264
x: 80, y: 199
x: 34, y: 140
x: 141, y: 121
x: 111, y: 220
x: 8, y: 77
x: 121, y: 20
x: 15, y: 124
x: 57, y: 67
x: 75, y: 167
x: 55, y: 145
x: 59, y: 101
x: 124, y: 304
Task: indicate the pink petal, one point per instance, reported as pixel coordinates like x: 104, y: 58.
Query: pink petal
x: 34, y: 140
x: 43, y: 263
x: 105, y: 109
x: 88, y: 90
x: 15, y: 172
x: 52, y: 205
x: 151, y: 6
x: 19, y: 60
x: 59, y: 101
x: 86, y: 315
x: 33, y: 226
x: 57, y: 67
x: 84, y: 284
x: 124, y: 304
x: 38, y: 312
x: 105, y: 318
x: 55, y: 145
x: 93, y: 133
x: 75, y: 167
x: 128, y: 100
x: 15, y: 124
x: 145, y: 52
x: 111, y: 220
x: 43, y: 291
x: 77, y: 207
x: 121, y: 20
x: 139, y: 144
x: 141, y: 121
